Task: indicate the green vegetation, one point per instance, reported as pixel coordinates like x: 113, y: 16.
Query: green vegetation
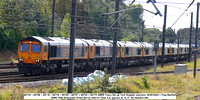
x: 144, y: 81
x: 185, y: 35
x: 184, y: 85
x: 170, y: 67
x: 20, y: 19
x: 6, y: 60
x: 171, y: 36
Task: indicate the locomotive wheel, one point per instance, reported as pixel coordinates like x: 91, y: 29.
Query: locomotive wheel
x: 101, y: 65
x: 109, y: 64
x: 121, y: 63
x: 27, y: 74
x: 43, y: 69
x: 89, y: 67
x: 58, y: 69
x: 76, y: 69
x: 47, y: 71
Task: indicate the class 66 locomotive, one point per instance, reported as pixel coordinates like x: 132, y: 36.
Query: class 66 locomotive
x: 47, y: 55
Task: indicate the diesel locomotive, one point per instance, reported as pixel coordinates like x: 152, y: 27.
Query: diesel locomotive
x: 46, y: 55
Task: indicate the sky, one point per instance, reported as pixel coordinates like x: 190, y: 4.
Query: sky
x: 174, y: 9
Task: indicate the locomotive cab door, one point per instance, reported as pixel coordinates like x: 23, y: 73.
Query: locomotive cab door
x: 45, y: 52
x: 49, y: 51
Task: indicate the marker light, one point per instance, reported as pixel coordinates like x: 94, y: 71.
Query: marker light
x: 20, y: 59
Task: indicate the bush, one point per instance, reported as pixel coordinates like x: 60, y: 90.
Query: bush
x: 144, y: 81
x: 99, y: 85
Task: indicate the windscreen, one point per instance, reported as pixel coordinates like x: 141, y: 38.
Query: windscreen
x: 36, y: 48
x: 24, y: 47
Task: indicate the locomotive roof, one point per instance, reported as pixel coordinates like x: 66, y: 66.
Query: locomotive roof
x: 122, y: 43
x: 148, y: 45
x: 174, y: 45
x: 102, y: 43
x: 111, y: 41
x: 167, y: 45
x: 106, y: 43
x: 129, y: 44
x: 36, y: 38
x: 132, y: 44
x: 90, y: 42
x: 59, y: 41
x: 186, y: 45
x: 139, y: 43
x: 183, y: 45
x: 80, y: 42
x: 55, y: 40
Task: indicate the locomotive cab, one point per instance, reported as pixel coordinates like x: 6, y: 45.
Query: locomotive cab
x: 30, y: 52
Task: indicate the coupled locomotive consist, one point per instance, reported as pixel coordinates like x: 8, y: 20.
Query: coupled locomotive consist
x: 42, y: 55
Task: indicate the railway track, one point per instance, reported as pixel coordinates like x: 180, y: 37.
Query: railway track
x: 8, y: 73
x: 14, y: 76
x: 8, y: 65
x: 159, y: 72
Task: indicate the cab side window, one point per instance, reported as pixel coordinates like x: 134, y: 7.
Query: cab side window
x: 86, y: 49
x: 181, y: 49
x: 90, y: 49
x: 172, y: 50
x: 138, y: 51
x: 168, y: 50
x: 127, y: 50
x: 147, y: 51
x: 45, y: 49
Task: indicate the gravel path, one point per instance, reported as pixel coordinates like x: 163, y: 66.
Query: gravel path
x: 9, y: 70
x: 35, y: 84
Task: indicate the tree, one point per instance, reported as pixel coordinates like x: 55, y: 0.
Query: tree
x: 20, y: 19
x: 152, y: 34
x: 131, y: 21
x: 171, y: 36
x: 65, y: 29
x: 185, y: 35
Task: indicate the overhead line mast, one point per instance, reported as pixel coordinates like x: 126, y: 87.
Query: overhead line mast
x: 115, y: 39
x: 53, y: 14
x: 71, y: 52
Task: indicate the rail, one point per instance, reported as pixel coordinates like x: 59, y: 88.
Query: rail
x: 158, y: 72
x: 8, y: 65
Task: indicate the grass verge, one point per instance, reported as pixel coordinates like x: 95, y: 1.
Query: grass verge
x: 170, y: 67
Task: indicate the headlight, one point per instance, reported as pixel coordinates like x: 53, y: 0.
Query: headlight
x: 37, y: 60
x: 20, y: 59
